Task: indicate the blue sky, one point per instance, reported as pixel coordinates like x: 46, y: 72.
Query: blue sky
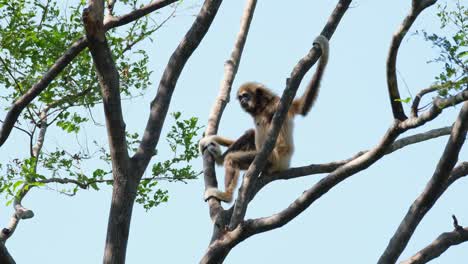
x: 351, y: 224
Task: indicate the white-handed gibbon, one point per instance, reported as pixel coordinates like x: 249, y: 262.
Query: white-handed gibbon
x: 261, y: 104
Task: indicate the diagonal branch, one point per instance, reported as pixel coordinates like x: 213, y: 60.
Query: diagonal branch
x: 331, y: 166
x: 230, y: 71
x: 434, y: 188
x: 160, y: 104
x: 352, y: 167
x: 440, y: 245
x: 5, y: 256
x: 63, y: 61
x: 392, y: 83
x: 292, y: 84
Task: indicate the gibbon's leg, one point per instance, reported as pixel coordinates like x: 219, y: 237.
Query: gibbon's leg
x: 246, y: 142
x: 234, y: 162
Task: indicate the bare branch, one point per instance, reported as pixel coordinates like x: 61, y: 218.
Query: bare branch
x: 329, y: 167
x: 112, y: 22
x: 251, y: 175
x: 417, y: 99
x: 458, y: 172
x: 440, y: 245
x: 5, y: 256
x: 435, y: 187
x: 63, y: 61
x: 392, y: 83
x: 230, y: 71
x: 160, y: 104
x: 323, y: 186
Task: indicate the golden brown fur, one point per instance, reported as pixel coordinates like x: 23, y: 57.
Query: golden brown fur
x: 261, y: 103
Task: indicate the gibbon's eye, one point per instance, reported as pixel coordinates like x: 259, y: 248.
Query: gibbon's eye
x: 245, y: 96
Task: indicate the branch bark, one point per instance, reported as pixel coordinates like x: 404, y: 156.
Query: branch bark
x: 331, y: 166
x: 435, y: 187
x: 230, y: 70
x: 392, y: 83
x: 224, y: 240
x: 440, y: 245
x: 124, y: 188
x: 251, y: 175
x: 5, y: 256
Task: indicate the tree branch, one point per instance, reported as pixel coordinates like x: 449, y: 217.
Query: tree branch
x: 331, y: 166
x: 392, y: 83
x: 292, y: 84
x: 230, y: 70
x: 62, y: 62
x: 440, y: 245
x: 361, y: 162
x: 160, y: 104
x: 5, y: 256
x: 108, y: 77
x: 19, y: 214
x: 435, y: 187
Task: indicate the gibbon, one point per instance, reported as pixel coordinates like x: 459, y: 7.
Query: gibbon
x: 261, y: 104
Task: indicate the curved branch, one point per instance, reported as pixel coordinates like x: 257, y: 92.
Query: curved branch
x: 434, y: 189
x: 292, y: 84
x: 417, y: 99
x: 440, y: 245
x: 63, y: 61
x: 392, y: 83
x: 19, y: 214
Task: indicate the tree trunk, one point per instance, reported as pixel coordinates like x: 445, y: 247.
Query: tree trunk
x: 123, y: 198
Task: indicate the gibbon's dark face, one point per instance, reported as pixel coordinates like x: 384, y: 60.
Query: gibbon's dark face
x: 246, y: 100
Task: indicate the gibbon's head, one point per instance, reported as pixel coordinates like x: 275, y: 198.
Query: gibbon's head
x: 254, y: 97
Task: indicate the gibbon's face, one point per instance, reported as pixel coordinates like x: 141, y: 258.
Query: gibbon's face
x: 246, y: 100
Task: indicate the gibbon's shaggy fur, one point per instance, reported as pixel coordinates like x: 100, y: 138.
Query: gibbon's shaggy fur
x: 261, y: 104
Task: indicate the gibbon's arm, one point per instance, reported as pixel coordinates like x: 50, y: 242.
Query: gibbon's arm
x: 303, y: 105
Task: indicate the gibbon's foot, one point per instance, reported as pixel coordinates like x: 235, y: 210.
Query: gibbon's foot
x: 215, y: 193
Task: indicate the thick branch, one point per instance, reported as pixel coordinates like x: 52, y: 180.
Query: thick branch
x: 350, y: 168
x: 63, y: 61
x: 160, y: 104
x: 292, y: 85
x: 435, y: 187
x: 329, y: 167
x: 5, y: 256
x: 323, y: 186
x: 36, y: 89
x: 440, y: 245
x: 108, y: 77
x: 392, y: 83
x: 230, y: 71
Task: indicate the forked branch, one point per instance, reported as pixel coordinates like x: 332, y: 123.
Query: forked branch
x: 434, y: 189
x: 440, y: 245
